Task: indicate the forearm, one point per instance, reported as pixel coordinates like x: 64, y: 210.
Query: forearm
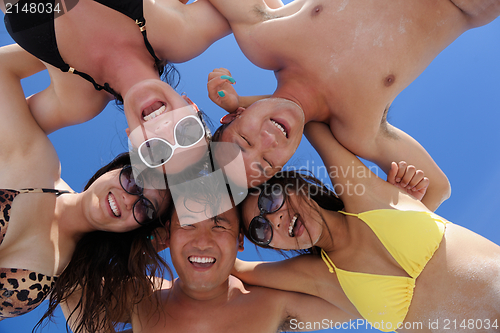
x: 288, y: 275
x: 245, y: 271
x: 402, y: 147
x: 18, y: 62
x: 345, y: 169
x: 67, y: 101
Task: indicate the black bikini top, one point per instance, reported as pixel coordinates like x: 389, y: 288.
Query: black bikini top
x: 35, y: 32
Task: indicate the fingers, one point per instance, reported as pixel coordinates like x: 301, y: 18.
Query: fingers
x: 221, y: 90
x: 407, y: 177
x: 218, y: 72
x: 218, y: 81
x: 391, y: 175
x: 409, y: 173
x: 401, y: 171
x: 221, y: 75
x: 422, y: 185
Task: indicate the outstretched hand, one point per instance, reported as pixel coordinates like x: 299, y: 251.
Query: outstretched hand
x: 408, y: 178
x: 221, y: 91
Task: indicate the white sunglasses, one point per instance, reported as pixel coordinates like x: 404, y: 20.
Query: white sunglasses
x: 156, y: 152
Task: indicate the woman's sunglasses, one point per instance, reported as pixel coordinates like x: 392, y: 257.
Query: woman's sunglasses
x: 260, y: 230
x: 143, y: 210
x: 188, y: 131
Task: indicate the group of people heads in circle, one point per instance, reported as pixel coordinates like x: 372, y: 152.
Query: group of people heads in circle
x: 381, y: 254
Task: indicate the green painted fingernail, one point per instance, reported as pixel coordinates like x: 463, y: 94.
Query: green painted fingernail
x: 227, y: 77
x: 221, y: 93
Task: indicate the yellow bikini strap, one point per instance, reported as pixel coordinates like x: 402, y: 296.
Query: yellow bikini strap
x: 328, y: 261
x: 346, y: 213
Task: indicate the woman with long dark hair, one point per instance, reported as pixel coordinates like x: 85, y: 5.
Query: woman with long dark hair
x: 54, y: 240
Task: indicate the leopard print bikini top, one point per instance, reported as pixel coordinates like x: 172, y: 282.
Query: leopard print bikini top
x: 21, y: 290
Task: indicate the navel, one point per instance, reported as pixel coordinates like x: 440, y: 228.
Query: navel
x: 389, y: 80
x: 316, y: 10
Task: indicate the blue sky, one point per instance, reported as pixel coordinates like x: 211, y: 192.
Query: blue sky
x: 452, y: 109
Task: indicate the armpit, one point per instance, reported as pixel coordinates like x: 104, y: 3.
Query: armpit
x: 385, y: 127
x: 263, y: 14
x: 479, y: 12
x: 286, y: 325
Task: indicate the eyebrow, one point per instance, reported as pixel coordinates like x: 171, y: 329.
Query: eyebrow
x: 236, y: 138
x: 219, y: 218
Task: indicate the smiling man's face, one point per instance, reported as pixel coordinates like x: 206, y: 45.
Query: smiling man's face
x: 203, y: 253
x: 268, y: 134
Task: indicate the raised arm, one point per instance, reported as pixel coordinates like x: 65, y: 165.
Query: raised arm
x: 358, y: 187
x: 180, y: 32
x: 295, y: 274
x: 400, y: 146
x: 67, y: 101
x: 221, y: 91
x: 27, y: 157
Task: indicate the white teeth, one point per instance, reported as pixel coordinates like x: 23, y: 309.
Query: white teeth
x: 113, y: 205
x: 155, y: 114
x: 279, y: 127
x: 292, y: 225
x: 202, y: 260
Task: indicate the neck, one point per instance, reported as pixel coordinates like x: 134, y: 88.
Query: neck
x: 70, y: 216
x: 339, y: 236
x: 218, y: 295
x: 123, y: 73
x: 312, y: 103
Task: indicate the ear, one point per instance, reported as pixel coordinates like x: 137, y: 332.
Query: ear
x: 228, y: 118
x: 241, y: 239
x: 161, y: 241
x: 127, y: 130
x: 190, y: 102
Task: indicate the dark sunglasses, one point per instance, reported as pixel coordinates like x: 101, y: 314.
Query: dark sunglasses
x: 143, y: 210
x: 188, y: 131
x: 260, y: 230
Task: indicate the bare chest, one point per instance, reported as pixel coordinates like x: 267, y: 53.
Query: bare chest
x: 30, y: 240
x: 460, y: 282
x: 234, y: 317
x: 361, y: 53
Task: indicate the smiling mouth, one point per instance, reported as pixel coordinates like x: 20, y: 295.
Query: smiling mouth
x: 291, y: 227
x: 281, y: 127
x: 113, y: 205
x: 201, y: 261
x: 153, y: 111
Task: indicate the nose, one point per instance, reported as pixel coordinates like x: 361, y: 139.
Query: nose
x: 276, y: 219
x: 268, y: 140
x: 203, y: 240
x: 129, y: 200
x: 165, y: 130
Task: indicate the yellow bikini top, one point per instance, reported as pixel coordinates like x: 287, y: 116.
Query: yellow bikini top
x: 411, y: 238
